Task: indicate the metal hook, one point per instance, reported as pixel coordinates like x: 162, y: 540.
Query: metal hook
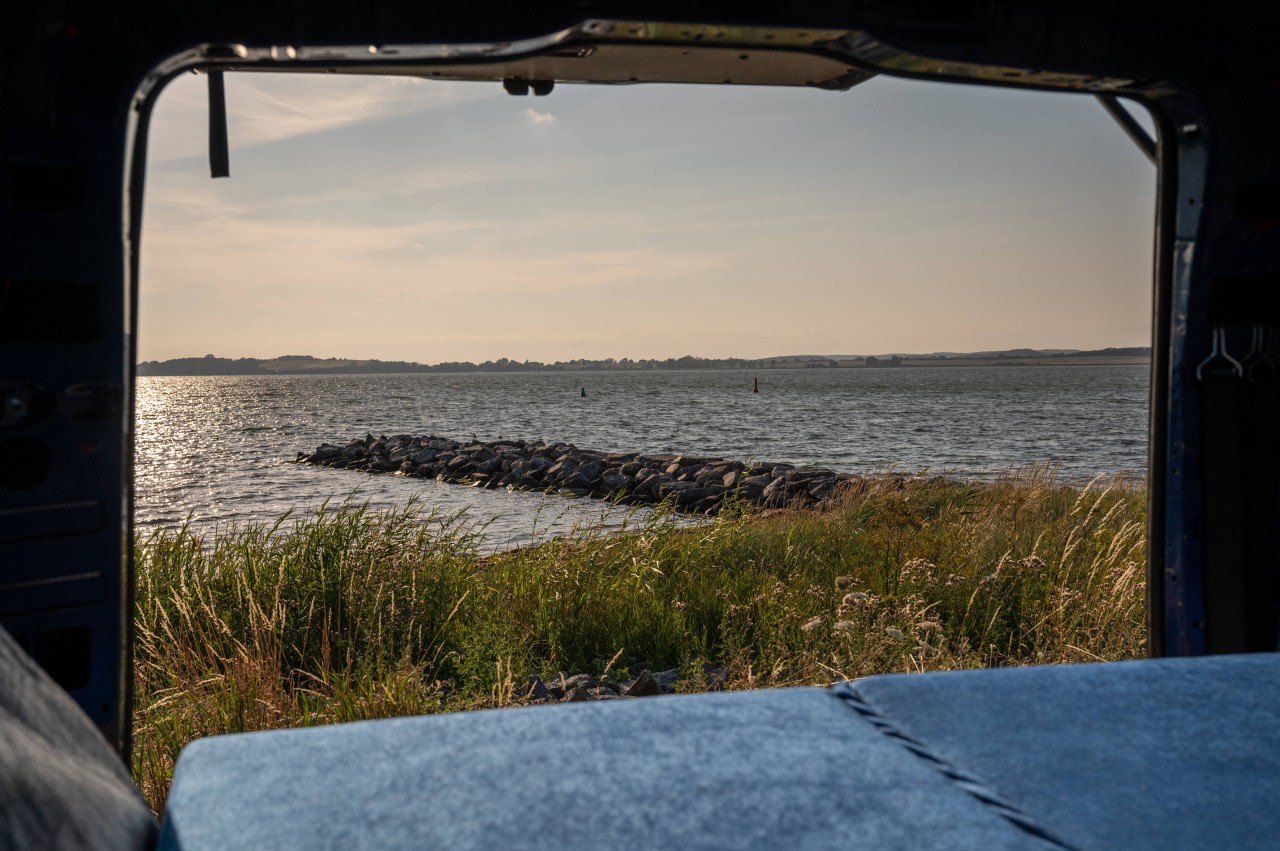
x: 1219, y: 351
x: 1259, y: 356
x: 1251, y: 357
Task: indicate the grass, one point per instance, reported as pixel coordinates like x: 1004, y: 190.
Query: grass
x: 351, y: 614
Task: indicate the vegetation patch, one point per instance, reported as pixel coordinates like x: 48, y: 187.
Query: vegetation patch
x: 351, y: 614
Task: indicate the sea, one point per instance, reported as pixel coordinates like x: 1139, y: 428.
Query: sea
x: 217, y: 452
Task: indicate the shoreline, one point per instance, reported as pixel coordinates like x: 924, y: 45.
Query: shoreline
x: 152, y: 369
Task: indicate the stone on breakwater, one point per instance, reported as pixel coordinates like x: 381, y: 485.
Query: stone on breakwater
x: 689, y: 483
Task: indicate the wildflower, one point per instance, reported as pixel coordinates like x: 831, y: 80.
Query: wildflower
x: 844, y: 583
x: 1067, y: 597
x: 855, y: 598
x: 1031, y: 564
x: 678, y: 605
x: 811, y: 624
x: 842, y: 626
x: 954, y: 579
x: 918, y: 570
x: 893, y: 632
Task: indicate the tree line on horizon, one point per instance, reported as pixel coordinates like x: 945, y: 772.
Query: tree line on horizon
x: 307, y: 364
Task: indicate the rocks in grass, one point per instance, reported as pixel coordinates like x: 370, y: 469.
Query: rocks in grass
x: 667, y: 679
x: 536, y: 689
x: 689, y: 483
x: 642, y: 686
x: 582, y: 681
x: 716, y: 677
x: 563, y: 688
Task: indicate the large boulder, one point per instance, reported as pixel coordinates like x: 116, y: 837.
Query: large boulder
x: 691, y: 495
x: 669, y: 487
x: 775, y: 495
x: 460, y: 466
x: 562, y: 469
x: 324, y: 452
x: 656, y: 460
x: 821, y: 488
x: 480, y: 452
x: 615, y: 482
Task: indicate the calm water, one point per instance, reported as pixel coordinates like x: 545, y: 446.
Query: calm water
x: 219, y: 448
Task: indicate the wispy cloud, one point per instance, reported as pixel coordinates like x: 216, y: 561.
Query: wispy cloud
x: 537, y: 117
x: 182, y: 195
x: 331, y: 257
x: 265, y: 108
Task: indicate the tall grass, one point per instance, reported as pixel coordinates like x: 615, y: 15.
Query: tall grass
x: 351, y: 614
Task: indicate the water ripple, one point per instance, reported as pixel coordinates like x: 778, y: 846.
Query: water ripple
x: 216, y: 447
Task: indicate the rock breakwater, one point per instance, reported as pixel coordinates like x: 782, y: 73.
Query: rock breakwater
x: 693, y: 484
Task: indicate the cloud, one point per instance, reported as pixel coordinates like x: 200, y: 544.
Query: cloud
x: 266, y: 108
x: 536, y: 117
x: 341, y: 259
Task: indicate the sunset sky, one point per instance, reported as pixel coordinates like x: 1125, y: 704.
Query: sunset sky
x: 429, y: 221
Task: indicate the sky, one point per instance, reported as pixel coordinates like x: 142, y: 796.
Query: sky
x: 403, y: 219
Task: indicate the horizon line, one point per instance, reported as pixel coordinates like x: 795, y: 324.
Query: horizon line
x: 949, y: 354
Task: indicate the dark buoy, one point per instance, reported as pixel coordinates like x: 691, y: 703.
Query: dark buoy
x: 584, y: 391
x: 756, y: 387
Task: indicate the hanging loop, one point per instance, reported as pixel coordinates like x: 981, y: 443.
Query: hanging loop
x: 1259, y: 363
x: 1220, y: 351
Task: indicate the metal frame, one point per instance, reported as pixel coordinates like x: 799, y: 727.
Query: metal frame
x: 77, y: 85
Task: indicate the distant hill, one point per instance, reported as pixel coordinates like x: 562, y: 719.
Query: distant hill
x: 308, y: 365
x: 1131, y: 351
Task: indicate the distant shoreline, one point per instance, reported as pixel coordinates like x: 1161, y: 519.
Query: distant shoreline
x: 299, y: 365
x: 1064, y: 360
